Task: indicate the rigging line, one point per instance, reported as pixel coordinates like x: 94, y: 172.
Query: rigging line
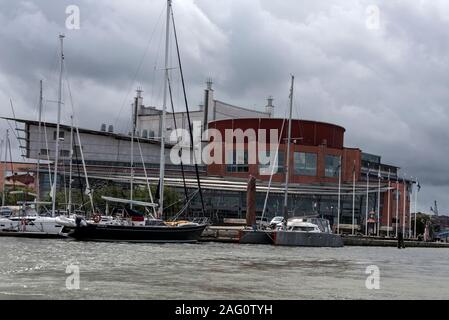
x: 136, y: 73
x: 146, y: 177
x: 80, y: 185
x: 272, y: 170
x: 187, y: 110
x: 184, y: 208
x: 12, y: 166
x: 48, y: 156
x: 177, y: 138
x: 76, y: 149
x: 17, y: 128
x: 158, y: 53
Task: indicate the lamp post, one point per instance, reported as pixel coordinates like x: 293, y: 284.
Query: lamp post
x: 353, y: 198
x: 388, y: 205
x: 378, y: 203
x: 367, y: 201
x: 339, y: 197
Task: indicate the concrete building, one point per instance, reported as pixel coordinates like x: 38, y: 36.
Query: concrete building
x: 149, y: 118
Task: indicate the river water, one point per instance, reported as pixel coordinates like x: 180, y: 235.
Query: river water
x: 36, y: 269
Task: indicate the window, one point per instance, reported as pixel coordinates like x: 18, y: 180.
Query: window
x: 278, y: 166
x: 332, y: 166
x: 64, y: 153
x: 238, y: 162
x: 44, y: 152
x: 61, y: 135
x: 305, y: 163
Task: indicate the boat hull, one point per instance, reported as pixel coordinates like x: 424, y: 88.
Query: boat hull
x: 307, y: 239
x: 31, y: 227
x: 164, y: 234
x: 256, y: 237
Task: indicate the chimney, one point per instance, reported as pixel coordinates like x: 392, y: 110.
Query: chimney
x: 269, y: 108
x: 209, y: 105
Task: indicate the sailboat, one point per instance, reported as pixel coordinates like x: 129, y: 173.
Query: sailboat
x: 294, y: 231
x: 132, y: 225
x: 27, y: 221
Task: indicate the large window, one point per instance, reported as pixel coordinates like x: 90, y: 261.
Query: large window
x: 61, y: 135
x: 276, y: 166
x: 237, y: 161
x: 332, y: 166
x: 305, y: 163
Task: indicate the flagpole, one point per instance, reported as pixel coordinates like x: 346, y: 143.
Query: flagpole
x: 339, y: 197
x: 353, y: 198
x: 404, y: 204
x: 416, y: 201
x: 367, y: 200
x: 378, y: 204
x: 397, y: 203
x: 388, y: 204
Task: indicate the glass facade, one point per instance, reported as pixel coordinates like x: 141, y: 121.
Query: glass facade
x: 237, y: 161
x: 305, y: 163
x: 332, y: 166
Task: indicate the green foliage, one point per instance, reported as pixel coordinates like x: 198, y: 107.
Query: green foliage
x: 12, y: 199
x: 171, y: 197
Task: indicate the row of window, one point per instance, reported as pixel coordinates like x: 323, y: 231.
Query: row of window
x: 304, y: 163
x: 62, y: 153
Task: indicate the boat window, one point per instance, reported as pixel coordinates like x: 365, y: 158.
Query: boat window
x: 306, y: 229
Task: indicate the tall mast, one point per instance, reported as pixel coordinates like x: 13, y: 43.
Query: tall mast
x: 164, y: 111
x: 70, y: 166
x: 133, y: 132
x: 38, y: 190
x: 55, y: 179
x: 4, y: 167
x: 287, y: 168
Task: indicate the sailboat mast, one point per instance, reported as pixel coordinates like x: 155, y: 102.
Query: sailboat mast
x: 41, y: 98
x: 287, y: 163
x: 69, y: 209
x: 55, y: 179
x: 133, y: 132
x: 164, y: 112
x: 4, y: 167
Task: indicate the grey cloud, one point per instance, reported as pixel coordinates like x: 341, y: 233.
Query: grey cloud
x: 387, y: 87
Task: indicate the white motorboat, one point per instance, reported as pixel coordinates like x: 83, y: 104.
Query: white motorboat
x: 28, y: 223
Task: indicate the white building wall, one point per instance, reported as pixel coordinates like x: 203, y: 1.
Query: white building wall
x: 96, y: 147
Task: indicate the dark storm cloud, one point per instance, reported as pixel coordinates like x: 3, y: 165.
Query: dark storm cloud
x: 387, y: 87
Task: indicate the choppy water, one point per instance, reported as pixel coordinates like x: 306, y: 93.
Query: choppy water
x: 36, y: 269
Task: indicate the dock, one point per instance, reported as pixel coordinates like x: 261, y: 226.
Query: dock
x: 230, y: 234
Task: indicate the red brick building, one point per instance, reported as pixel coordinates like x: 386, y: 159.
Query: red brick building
x: 316, y: 151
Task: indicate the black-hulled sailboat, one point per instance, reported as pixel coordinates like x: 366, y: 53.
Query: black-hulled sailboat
x: 132, y: 225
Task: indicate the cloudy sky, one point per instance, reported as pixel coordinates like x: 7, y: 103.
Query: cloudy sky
x: 385, y: 80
